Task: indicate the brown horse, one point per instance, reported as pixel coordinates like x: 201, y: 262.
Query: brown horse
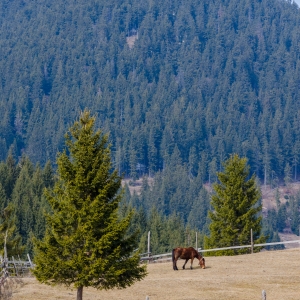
x: 187, y: 253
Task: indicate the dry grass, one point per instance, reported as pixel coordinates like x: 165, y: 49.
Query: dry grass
x: 239, y: 277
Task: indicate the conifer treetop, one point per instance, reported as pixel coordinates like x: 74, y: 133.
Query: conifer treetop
x: 236, y: 208
x: 86, y: 242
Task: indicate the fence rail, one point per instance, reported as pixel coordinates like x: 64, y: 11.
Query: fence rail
x: 16, y: 267
x: 278, y: 243
x: 249, y: 246
x: 167, y: 256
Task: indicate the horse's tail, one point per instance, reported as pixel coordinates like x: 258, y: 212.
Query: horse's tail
x: 173, y: 255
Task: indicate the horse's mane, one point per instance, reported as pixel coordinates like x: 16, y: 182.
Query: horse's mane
x: 199, y: 256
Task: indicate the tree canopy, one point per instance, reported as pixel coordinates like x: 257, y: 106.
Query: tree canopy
x: 86, y: 242
x: 199, y: 79
x: 236, y: 208
x: 9, y: 236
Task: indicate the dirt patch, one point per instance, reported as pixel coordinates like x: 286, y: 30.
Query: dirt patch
x: 269, y: 194
x: 130, y: 40
x: 136, y: 185
x: 226, y: 278
x: 290, y: 237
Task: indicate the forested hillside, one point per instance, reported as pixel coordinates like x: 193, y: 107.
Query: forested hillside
x: 22, y: 188
x: 196, y: 78
x: 172, y: 207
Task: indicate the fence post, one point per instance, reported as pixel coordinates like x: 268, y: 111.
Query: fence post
x: 148, y: 248
x: 15, y: 266
x: 252, y: 245
x: 263, y: 295
x: 196, y: 240
x: 147, y: 298
x: 31, y: 264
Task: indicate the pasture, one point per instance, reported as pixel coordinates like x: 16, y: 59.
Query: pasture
x: 225, y: 278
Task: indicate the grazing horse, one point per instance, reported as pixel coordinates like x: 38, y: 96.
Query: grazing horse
x: 187, y: 253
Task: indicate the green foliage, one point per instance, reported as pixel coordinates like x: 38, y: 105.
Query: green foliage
x: 166, y: 233
x: 21, y: 192
x: 287, y: 175
x: 277, y: 198
x: 269, y: 230
x: 198, y: 214
x: 202, y: 80
x: 294, y: 216
x: 29, y: 201
x: 86, y: 241
x: 8, y: 233
x: 9, y: 173
x: 272, y: 237
x: 236, y: 208
x: 281, y: 217
x: 175, y: 191
x: 207, y: 78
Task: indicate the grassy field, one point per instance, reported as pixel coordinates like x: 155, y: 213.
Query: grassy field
x: 225, y: 278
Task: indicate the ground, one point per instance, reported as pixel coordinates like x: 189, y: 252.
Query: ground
x: 268, y: 194
x: 130, y: 40
x: 269, y: 202
x: 225, y: 278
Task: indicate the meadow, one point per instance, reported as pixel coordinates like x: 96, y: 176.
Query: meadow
x: 225, y: 278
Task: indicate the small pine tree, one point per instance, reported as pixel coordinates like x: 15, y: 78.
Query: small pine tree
x: 9, y: 234
x: 277, y: 198
x: 236, y: 208
x: 86, y: 241
x: 281, y: 217
x: 287, y: 174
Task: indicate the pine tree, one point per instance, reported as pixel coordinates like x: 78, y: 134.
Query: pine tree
x: 9, y: 234
x: 3, y: 198
x: 281, y: 218
x: 48, y: 175
x: 23, y: 197
x: 86, y: 242
x: 236, y: 208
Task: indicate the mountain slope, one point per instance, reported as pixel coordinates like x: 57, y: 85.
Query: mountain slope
x: 202, y: 79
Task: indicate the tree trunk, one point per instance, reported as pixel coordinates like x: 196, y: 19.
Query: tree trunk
x: 79, y: 293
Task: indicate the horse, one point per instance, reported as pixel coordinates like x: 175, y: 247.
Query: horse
x: 187, y: 253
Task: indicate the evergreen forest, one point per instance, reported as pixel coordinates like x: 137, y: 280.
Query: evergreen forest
x: 173, y: 208
x: 22, y: 189
x: 198, y: 77
x: 178, y: 86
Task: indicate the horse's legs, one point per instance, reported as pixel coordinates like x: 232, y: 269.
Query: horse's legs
x: 192, y: 259
x: 174, y: 264
x: 183, y: 267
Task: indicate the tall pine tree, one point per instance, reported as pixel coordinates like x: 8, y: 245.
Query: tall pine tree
x: 86, y: 242
x: 236, y: 208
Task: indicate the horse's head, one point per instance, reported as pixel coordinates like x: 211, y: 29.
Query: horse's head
x: 202, y: 262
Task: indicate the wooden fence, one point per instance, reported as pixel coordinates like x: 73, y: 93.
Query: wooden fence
x: 11, y: 273
x: 168, y: 256
x: 17, y: 267
x: 12, y: 269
